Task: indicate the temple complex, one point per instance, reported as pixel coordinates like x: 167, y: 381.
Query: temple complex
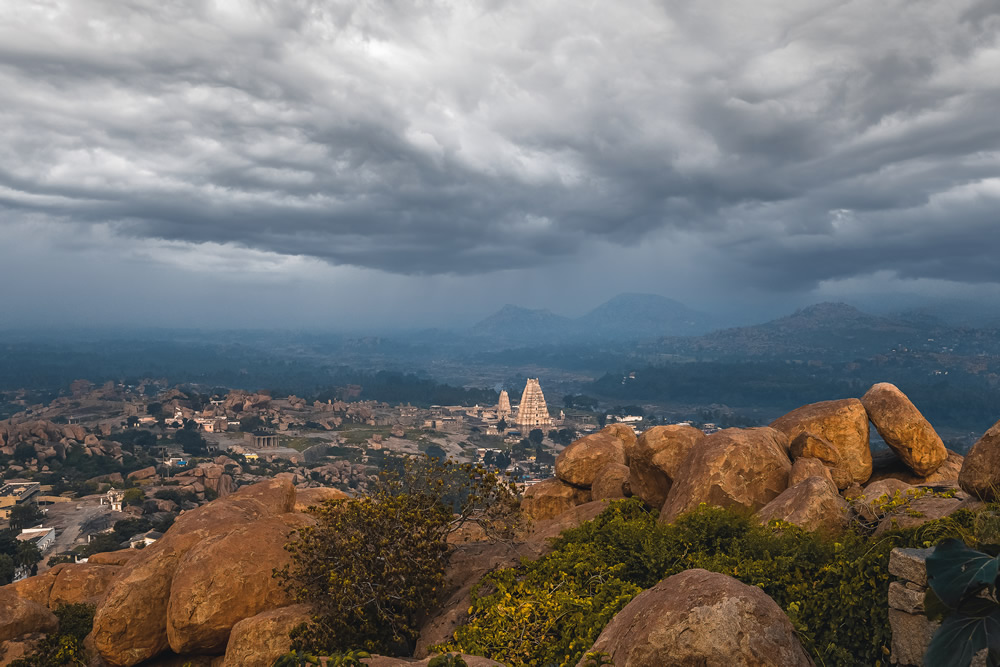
x: 532, y: 412
x: 503, y: 405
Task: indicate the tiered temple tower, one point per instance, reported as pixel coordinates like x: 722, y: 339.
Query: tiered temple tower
x: 532, y: 412
x: 503, y: 405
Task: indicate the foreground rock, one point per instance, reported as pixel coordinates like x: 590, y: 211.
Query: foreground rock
x: 904, y: 428
x: 21, y: 616
x: 889, y: 466
x: 260, y: 640
x: 735, y: 467
x: 657, y: 457
x: 130, y: 624
x: 550, y: 498
x: 842, y: 424
x: 81, y: 583
x: 305, y: 498
x: 208, y: 595
x: 579, y: 463
x: 807, y: 467
x: 812, y: 504
x: 701, y: 618
x: 980, y: 475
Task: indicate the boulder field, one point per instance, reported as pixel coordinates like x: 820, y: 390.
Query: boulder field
x: 801, y: 469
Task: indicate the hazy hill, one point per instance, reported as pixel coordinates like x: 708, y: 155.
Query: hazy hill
x: 831, y: 330
x: 624, y: 317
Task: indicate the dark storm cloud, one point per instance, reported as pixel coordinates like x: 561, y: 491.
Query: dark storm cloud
x: 807, y: 141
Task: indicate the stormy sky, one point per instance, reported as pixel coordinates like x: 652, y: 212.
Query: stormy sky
x: 350, y: 164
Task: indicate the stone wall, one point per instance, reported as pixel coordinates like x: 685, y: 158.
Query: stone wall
x: 911, y: 631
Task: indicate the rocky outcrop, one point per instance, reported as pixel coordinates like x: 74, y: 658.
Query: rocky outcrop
x: 980, y: 474
x: 145, y: 473
x: 806, y: 467
x: 735, y: 467
x: 305, y: 498
x: 114, y: 557
x: 260, y: 640
x: 37, y: 588
x: 656, y: 458
x: 543, y: 531
x: 550, y: 498
x: 812, y: 504
x: 579, y: 463
x: 131, y: 621
x: 841, y: 424
x: 701, y: 618
x: 889, y: 466
x: 208, y: 595
x: 21, y: 616
x: 904, y: 429
x: 611, y: 482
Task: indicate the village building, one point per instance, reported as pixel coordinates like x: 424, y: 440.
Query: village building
x: 17, y: 493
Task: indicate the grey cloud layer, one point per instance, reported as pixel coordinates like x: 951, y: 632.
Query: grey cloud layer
x: 808, y: 140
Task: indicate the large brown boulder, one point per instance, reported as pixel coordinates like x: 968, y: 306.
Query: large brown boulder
x: 145, y: 473
x: 657, y: 456
x: 904, y: 429
x: 36, y: 588
x: 844, y: 425
x: 812, y: 504
x: 120, y: 557
x: 81, y: 582
x: 550, y: 498
x: 806, y: 467
x: 611, y: 483
x: 734, y: 467
x: 579, y: 463
x: 542, y: 531
x: 980, y: 475
x: 130, y: 624
x: 21, y: 616
x: 919, y: 511
x: 701, y: 618
x: 260, y: 640
x: 225, y: 579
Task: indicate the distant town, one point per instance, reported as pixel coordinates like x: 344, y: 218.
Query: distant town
x: 108, y: 467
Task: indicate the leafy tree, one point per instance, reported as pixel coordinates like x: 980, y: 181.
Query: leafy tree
x: 126, y: 528
x: 100, y: 543
x: 370, y: 566
x: 250, y: 424
x: 28, y: 555
x: 24, y: 515
x: 24, y: 452
x: 535, y: 436
x: 435, y: 451
x: 502, y: 425
x: 7, y: 569
x: 134, y: 496
x: 191, y: 441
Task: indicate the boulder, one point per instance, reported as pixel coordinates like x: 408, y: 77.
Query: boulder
x: 305, y: 498
x: 36, y: 588
x: 550, y: 498
x: 21, y: 616
x: 734, y: 467
x: 701, y: 618
x: 81, y: 582
x: 980, y: 474
x: 21, y: 647
x: 386, y: 661
x: 130, y: 624
x: 808, y: 445
x: 812, y: 504
x: 842, y: 424
x: 904, y: 429
x: 579, y: 463
x: 890, y: 466
x: 806, y: 467
x: 225, y: 579
x: 260, y: 640
x: 611, y: 483
x: 657, y: 456
x: 918, y: 512
x: 145, y: 473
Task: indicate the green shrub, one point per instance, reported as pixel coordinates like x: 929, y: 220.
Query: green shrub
x: 64, y: 647
x: 550, y: 611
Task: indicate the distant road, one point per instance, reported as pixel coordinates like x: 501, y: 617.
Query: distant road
x: 74, y: 521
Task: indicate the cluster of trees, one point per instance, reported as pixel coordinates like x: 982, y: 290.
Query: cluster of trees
x: 16, y: 554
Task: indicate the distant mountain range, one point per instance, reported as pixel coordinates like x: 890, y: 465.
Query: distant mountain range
x: 624, y: 317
